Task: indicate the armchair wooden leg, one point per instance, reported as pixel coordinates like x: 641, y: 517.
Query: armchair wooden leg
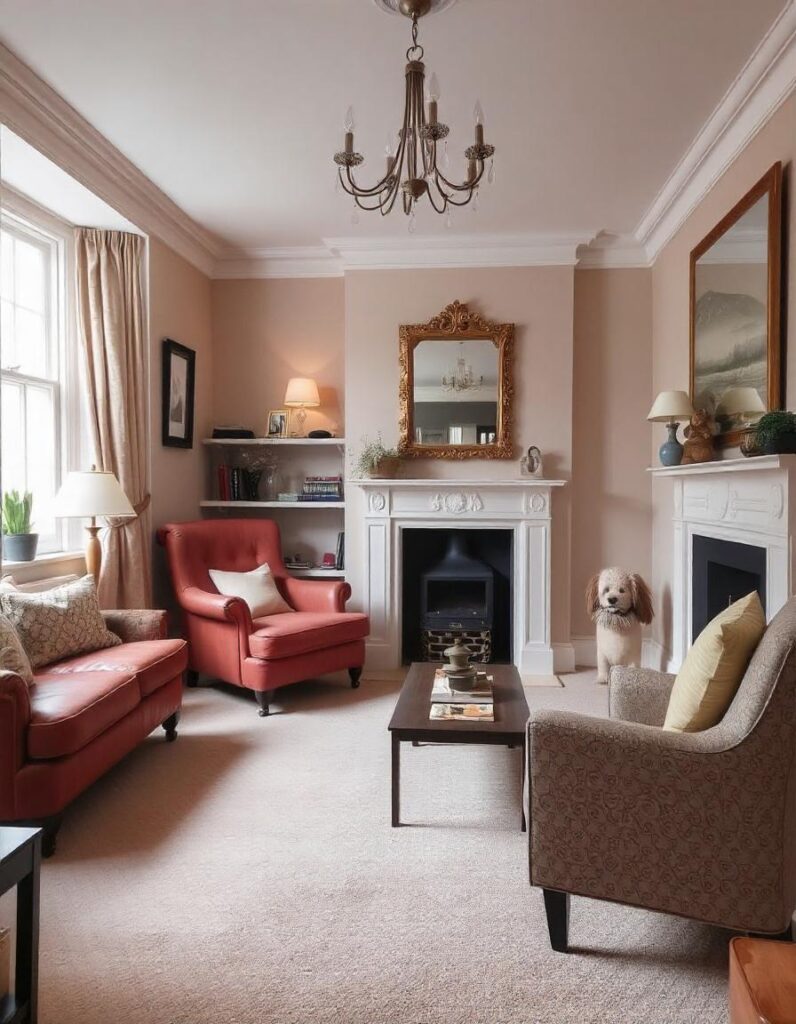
x: 50, y: 835
x: 556, y: 905
x: 264, y: 700
x: 191, y: 678
x: 170, y: 725
x: 355, y: 674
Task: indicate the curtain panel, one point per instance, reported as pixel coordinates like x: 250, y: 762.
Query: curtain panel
x: 111, y: 329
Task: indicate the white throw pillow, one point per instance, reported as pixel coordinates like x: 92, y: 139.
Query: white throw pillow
x: 257, y: 588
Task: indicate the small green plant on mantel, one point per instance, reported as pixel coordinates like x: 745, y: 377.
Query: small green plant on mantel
x: 16, y: 512
x: 776, y: 433
x: 375, y: 460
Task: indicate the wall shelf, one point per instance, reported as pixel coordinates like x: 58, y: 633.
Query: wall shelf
x: 272, y: 504
x: 320, y: 574
x: 245, y: 442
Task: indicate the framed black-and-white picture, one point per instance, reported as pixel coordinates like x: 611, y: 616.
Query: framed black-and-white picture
x: 179, y: 370
x: 278, y: 422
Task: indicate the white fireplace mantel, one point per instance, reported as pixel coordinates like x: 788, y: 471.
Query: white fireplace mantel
x: 746, y: 500
x: 523, y: 506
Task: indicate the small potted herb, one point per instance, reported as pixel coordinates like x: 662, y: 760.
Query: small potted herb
x: 19, y: 544
x: 374, y: 460
x: 776, y: 433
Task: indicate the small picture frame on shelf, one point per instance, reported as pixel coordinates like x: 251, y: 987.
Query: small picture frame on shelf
x: 278, y: 423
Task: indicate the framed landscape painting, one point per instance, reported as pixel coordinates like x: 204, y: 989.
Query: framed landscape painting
x: 735, y: 307
x: 179, y: 372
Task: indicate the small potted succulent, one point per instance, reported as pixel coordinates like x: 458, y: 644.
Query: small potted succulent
x: 776, y: 433
x: 19, y: 543
x: 374, y: 460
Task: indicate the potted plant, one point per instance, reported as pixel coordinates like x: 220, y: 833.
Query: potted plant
x: 375, y: 460
x: 776, y: 433
x: 19, y: 544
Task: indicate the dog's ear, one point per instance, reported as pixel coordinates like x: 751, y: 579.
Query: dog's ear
x: 642, y: 598
x: 592, y: 594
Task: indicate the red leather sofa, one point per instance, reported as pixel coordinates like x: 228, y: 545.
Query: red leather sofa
x: 82, y: 715
x: 265, y: 653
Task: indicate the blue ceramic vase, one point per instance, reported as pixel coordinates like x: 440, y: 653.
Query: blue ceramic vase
x: 671, y: 451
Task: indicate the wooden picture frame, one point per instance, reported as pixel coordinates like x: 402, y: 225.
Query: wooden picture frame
x: 178, y: 386
x: 456, y: 323
x: 769, y: 185
x: 280, y: 417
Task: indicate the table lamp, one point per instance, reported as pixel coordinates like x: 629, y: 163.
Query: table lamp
x: 671, y: 408
x: 746, y: 405
x: 86, y: 496
x: 302, y: 394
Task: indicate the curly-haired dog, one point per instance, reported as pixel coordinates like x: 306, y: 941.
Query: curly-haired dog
x: 619, y: 602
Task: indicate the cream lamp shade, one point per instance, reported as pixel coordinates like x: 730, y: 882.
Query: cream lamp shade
x: 671, y: 407
x: 88, y: 495
x: 302, y: 393
x: 741, y: 402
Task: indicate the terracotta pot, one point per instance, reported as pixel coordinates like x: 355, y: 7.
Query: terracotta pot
x: 386, y: 468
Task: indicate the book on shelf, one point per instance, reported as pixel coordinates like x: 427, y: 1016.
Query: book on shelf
x: 444, y: 690
x: 224, y: 491
x: 340, y: 562
x: 287, y: 496
x: 462, y: 713
x: 322, y: 488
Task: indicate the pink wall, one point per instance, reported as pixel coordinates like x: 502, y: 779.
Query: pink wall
x: 670, y: 312
x: 266, y: 331
x: 179, y: 308
x: 539, y: 300
x: 611, y: 511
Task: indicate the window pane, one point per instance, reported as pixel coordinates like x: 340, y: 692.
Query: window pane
x: 7, y: 346
x: 13, y: 437
x: 6, y: 265
x: 30, y: 340
x: 41, y: 458
x: 29, y: 284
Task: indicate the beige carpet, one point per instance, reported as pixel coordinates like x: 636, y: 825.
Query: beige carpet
x: 247, y: 874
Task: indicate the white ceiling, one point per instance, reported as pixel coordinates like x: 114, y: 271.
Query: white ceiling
x: 234, y: 109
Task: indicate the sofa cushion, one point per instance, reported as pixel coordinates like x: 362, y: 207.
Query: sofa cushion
x: 59, y: 622
x: 12, y: 654
x: 153, y: 662
x: 288, y: 636
x: 257, y: 588
x: 67, y: 714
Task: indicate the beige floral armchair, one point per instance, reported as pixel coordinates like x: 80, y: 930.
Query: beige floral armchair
x: 702, y: 825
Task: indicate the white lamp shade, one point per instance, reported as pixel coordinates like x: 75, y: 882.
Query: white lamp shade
x: 91, y: 494
x: 671, y: 407
x: 741, y: 402
x: 302, y: 392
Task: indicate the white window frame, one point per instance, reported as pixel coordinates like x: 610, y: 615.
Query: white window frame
x: 27, y: 220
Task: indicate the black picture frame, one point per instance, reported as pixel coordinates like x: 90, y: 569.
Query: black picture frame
x: 177, y: 408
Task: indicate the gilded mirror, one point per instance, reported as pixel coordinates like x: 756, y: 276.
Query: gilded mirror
x: 456, y: 390
x: 735, y: 309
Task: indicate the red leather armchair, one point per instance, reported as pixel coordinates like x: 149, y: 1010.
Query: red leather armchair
x: 264, y: 653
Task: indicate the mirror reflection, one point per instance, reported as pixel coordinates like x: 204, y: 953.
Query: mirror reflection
x: 455, y: 397
x: 730, y: 328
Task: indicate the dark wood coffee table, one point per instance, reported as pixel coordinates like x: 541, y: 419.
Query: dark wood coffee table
x: 410, y: 722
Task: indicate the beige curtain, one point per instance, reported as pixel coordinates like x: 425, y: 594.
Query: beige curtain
x: 111, y: 328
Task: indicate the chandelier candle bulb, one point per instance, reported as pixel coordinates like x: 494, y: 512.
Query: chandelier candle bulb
x: 349, y: 142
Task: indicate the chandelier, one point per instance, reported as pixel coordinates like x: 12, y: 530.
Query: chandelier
x: 414, y: 165
x: 462, y: 378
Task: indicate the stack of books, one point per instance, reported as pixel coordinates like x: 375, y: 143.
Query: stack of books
x: 451, y: 705
x: 322, y: 488
x: 231, y: 484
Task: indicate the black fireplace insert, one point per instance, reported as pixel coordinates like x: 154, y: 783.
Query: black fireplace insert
x: 723, y: 571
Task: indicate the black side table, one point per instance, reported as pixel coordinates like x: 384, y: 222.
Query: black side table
x: 20, y: 865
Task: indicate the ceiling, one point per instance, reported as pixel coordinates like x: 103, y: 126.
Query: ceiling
x: 235, y: 109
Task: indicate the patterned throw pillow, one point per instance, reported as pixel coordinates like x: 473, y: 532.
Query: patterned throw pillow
x: 59, y: 623
x: 12, y: 653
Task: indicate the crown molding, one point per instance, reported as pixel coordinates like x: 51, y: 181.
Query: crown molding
x: 287, y: 261
x: 764, y: 83
x: 456, y: 251
x: 35, y: 112
x: 609, y: 252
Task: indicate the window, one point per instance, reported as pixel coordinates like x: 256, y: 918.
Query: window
x: 35, y: 368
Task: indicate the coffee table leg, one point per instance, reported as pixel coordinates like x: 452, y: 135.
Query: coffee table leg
x: 396, y: 781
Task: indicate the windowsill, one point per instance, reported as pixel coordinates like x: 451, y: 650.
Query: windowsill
x: 43, y: 565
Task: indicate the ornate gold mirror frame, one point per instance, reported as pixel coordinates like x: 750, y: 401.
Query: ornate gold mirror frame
x: 456, y: 323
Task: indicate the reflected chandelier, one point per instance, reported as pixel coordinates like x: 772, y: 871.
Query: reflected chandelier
x: 413, y: 169
x: 462, y: 377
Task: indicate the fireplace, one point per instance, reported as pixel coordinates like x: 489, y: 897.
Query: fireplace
x: 456, y: 582
x: 723, y: 571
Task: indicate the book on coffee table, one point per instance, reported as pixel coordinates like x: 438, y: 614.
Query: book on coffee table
x: 462, y: 713
x: 444, y: 690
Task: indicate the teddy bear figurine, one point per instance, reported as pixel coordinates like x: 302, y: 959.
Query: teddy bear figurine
x: 698, y: 445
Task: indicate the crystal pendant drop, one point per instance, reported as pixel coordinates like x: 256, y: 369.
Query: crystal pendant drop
x: 337, y: 186
x: 446, y: 160
x: 449, y: 218
x: 475, y: 200
x: 491, y: 176
x: 412, y: 221
x: 355, y: 215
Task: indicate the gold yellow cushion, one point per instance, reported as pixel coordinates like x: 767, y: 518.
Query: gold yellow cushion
x: 713, y: 668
